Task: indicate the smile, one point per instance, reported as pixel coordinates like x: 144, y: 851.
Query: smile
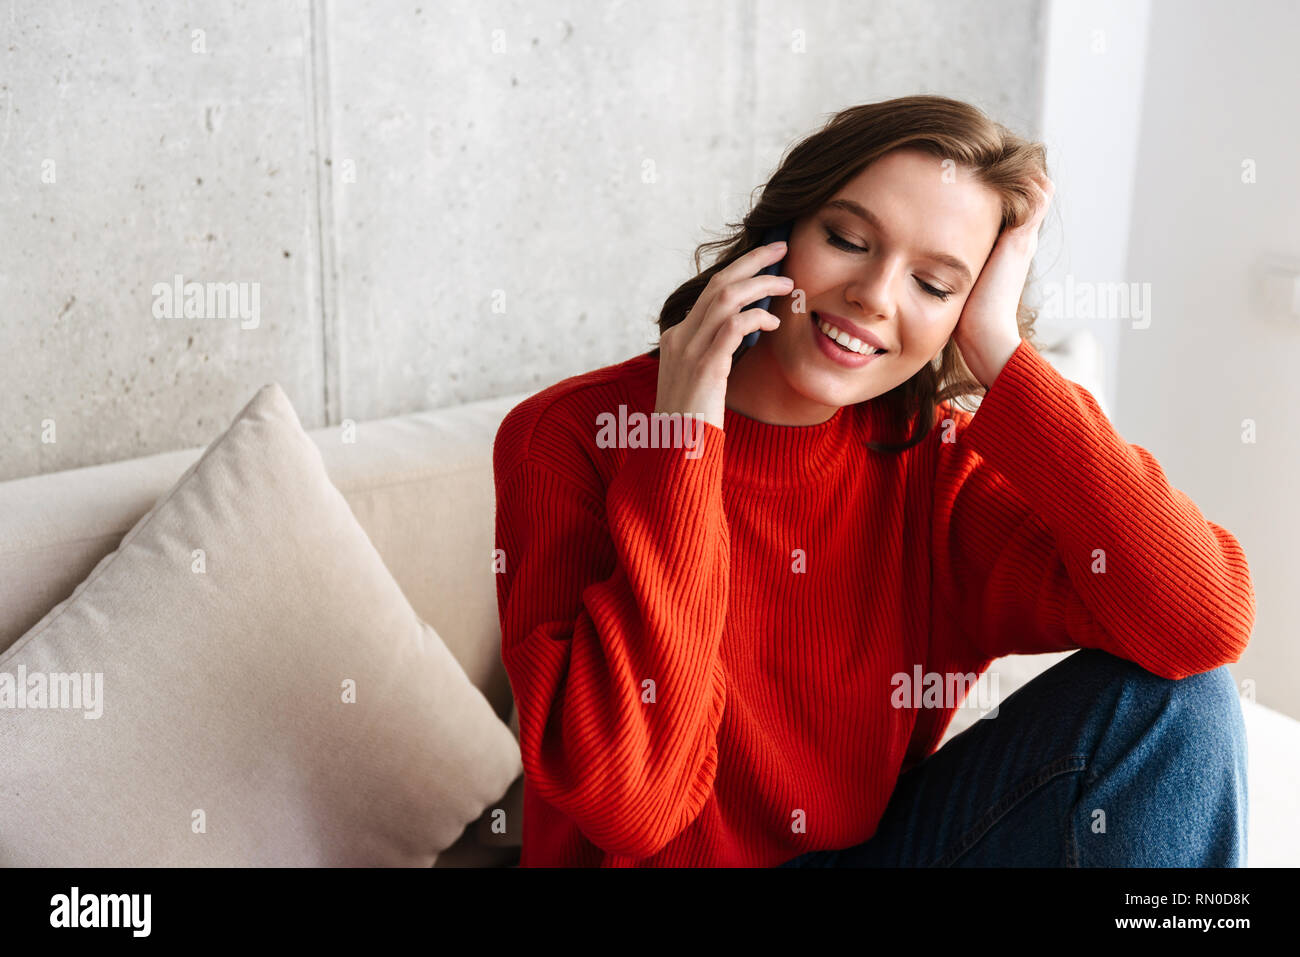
x: 841, y: 347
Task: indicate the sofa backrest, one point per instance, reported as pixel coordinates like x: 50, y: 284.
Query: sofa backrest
x: 420, y: 485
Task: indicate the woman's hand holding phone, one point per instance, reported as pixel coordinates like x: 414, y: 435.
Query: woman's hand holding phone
x: 695, y: 355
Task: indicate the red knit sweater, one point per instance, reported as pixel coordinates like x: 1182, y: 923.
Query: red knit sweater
x: 703, y: 649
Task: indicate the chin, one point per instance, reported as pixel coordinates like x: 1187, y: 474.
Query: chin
x: 834, y: 395
x: 812, y: 379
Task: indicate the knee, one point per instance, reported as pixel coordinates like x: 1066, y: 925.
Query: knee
x: 1202, y: 711
x: 1210, y: 704
x: 1204, y: 707
x: 1170, y: 761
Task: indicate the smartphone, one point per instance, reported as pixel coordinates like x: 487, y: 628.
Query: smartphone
x: 774, y: 234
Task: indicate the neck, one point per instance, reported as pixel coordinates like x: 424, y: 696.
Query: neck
x: 758, y: 390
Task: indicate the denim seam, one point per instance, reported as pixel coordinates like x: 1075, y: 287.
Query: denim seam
x: 1069, y: 764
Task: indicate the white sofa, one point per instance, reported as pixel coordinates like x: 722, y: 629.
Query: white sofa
x: 421, y: 487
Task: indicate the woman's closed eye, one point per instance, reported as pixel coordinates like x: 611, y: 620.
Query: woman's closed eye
x: 840, y: 242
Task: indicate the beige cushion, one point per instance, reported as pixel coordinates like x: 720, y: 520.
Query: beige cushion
x: 410, y: 480
x: 505, y: 829
x: 223, y: 690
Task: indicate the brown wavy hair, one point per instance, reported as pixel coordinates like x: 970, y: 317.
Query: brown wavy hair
x: 814, y: 170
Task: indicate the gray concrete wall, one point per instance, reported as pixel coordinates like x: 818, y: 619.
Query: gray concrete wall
x: 436, y: 202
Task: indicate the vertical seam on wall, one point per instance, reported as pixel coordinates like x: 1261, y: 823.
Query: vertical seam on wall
x: 318, y: 92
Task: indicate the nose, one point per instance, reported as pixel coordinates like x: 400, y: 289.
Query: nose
x: 871, y: 290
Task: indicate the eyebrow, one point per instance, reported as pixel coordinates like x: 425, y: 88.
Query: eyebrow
x: 857, y: 209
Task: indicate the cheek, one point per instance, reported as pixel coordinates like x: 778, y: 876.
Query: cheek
x: 808, y: 281
x: 925, y: 336
x: 811, y: 270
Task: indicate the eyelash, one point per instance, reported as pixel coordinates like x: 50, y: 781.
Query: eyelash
x: 839, y: 241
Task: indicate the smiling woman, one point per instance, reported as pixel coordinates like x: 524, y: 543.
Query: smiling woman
x: 896, y: 207
x: 704, y: 642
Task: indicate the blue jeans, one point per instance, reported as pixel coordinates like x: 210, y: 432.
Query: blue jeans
x: 1094, y: 763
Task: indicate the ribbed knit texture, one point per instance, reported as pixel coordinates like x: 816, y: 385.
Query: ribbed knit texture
x: 702, y: 650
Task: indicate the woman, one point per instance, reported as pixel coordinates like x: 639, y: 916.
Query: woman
x: 706, y: 645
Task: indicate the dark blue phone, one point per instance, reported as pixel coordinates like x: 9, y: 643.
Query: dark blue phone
x: 773, y: 234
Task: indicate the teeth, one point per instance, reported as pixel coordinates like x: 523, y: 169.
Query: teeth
x: 852, y: 343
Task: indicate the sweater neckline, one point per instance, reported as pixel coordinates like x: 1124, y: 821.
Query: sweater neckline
x: 763, y: 455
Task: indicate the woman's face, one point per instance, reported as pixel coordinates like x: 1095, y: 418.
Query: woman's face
x: 899, y: 270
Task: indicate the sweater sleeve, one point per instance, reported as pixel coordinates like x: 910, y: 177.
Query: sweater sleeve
x: 612, y: 604
x: 1053, y: 533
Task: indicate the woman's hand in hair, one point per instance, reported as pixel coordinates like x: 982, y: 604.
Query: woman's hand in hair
x: 987, y: 332
x: 695, y: 354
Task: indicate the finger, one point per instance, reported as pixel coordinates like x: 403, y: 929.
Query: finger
x: 732, y: 300
x: 751, y: 262
x: 746, y: 265
x: 728, y: 335
x: 699, y: 319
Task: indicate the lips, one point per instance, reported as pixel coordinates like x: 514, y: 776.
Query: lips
x: 844, y: 325
x: 839, y: 355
